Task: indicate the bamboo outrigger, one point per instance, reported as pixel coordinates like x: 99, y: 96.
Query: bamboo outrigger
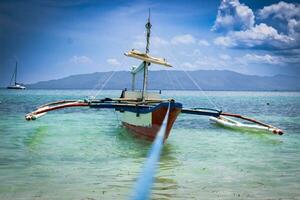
x: 143, y: 112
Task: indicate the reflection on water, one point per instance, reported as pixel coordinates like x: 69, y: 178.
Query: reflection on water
x: 85, y: 154
x: 36, y: 137
x: 138, y: 148
x: 165, y: 181
x: 129, y: 145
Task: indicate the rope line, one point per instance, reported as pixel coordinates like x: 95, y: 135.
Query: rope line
x: 194, y: 82
x: 103, y: 85
x: 178, y: 81
x: 199, y: 88
x: 171, y: 80
x: 145, y: 181
x: 170, y: 51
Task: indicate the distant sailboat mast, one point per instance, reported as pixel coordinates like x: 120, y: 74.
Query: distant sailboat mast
x: 16, y: 70
x: 14, y: 76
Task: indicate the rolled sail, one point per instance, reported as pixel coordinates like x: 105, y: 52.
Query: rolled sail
x: 147, y: 58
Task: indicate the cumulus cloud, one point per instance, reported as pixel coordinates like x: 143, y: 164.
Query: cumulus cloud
x: 260, y: 36
x: 265, y: 59
x: 188, y: 65
x: 200, y: 61
x: 159, y: 42
x: 281, y: 10
x: 285, y: 15
x: 183, y: 39
x: 225, y: 41
x: 225, y: 57
x: 203, y: 42
x: 233, y: 16
x: 81, y: 60
x: 156, y: 42
x: 113, y: 62
x: 271, y: 59
x: 294, y: 27
x: 238, y: 62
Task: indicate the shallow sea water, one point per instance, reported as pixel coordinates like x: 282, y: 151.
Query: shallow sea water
x: 84, y: 153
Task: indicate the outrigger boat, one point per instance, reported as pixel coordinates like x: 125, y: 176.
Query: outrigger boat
x: 143, y: 112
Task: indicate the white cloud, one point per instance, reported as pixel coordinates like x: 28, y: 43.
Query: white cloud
x: 269, y: 59
x: 238, y: 62
x: 81, y: 60
x: 208, y: 62
x: 225, y: 57
x: 156, y: 42
x: 294, y: 27
x: 113, y: 62
x: 265, y: 59
x: 188, y: 65
x: 286, y: 17
x: 283, y: 34
x: 183, y: 39
x: 281, y: 10
x: 259, y: 36
x: 203, y: 43
x: 139, y: 44
x: 232, y: 15
x: 225, y: 41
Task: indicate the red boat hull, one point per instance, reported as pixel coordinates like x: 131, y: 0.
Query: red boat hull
x: 149, y: 132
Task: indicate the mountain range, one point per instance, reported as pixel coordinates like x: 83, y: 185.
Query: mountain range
x: 175, y: 80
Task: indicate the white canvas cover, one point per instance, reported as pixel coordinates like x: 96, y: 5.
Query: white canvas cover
x: 147, y: 58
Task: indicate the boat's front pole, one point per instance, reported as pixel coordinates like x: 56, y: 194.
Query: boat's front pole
x: 148, y: 27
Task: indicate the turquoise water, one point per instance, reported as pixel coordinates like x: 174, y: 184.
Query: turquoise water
x: 85, y: 154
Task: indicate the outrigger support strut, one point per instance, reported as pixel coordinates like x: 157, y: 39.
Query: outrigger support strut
x: 203, y: 111
x: 42, y: 110
x: 108, y: 103
x: 218, y: 116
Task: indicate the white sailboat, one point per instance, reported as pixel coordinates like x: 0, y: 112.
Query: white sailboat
x: 16, y: 86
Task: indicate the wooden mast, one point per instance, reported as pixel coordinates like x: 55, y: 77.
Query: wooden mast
x: 14, y: 76
x: 146, y: 64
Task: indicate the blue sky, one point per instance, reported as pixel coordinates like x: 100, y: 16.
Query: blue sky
x: 55, y: 39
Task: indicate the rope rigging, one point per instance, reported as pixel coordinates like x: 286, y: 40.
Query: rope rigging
x: 170, y: 52
x: 103, y: 84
